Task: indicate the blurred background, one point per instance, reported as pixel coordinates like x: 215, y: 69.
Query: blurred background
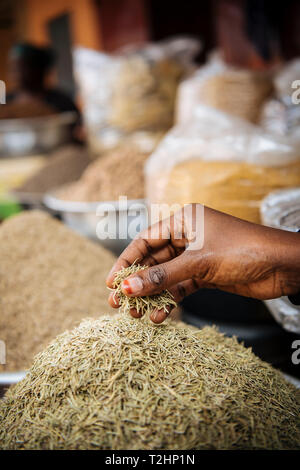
x: 251, y: 32
x: 163, y: 102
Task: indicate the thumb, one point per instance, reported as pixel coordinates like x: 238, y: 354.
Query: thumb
x: 155, y: 279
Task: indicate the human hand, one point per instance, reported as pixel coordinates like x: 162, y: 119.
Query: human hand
x: 237, y: 257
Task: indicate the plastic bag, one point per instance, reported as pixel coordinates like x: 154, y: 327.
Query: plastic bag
x: 281, y: 209
x: 281, y: 114
x: 236, y: 91
x: 285, y: 78
x: 223, y: 162
x: 132, y: 91
x: 282, y: 117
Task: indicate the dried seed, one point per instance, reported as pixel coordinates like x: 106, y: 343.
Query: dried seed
x: 50, y: 278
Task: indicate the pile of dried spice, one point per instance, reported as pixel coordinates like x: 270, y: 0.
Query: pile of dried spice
x: 63, y: 166
x: 116, y: 173
x: 121, y: 383
x: 50, y: 278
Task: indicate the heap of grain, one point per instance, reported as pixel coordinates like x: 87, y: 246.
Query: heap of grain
x: 222, y: 162
x: 50, y: 278
x: 237, y: 92
x: 117, y: 173
x: 231, y: 187
x: 62, y: 166
x: 119, y: 383
x: 144, y: 92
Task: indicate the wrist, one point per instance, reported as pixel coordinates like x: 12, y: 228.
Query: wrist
x: 288, y: 261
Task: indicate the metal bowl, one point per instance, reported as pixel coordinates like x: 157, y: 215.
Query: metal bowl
x: 90, y: 219
x: 30, y: 136
x: 10, y: 378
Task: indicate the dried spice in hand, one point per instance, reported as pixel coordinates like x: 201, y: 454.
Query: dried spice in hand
x: 145, y: 304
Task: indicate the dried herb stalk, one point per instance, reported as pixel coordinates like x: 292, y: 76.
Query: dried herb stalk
x: 121, y: 383
x: 145, y: 304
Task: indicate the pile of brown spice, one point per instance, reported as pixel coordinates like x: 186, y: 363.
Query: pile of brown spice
x: 238, y: 92
x: 50, y: 278
x: 144, y: 93
x: 117, y: 173
x: 63, y: 166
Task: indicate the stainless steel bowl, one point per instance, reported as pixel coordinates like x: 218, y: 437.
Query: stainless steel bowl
x: 30, y: 136
x: 90, y: 218
x: 10, y: 378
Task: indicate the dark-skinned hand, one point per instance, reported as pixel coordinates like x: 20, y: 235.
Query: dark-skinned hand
x: 236, y: 256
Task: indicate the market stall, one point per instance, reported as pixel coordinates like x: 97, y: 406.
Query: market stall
x: 185, y: 337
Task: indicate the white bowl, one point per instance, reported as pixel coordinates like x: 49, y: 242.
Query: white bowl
x: 37, y: 135
x: 90, y: 219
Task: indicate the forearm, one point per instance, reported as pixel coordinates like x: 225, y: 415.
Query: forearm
x: 288, y: 261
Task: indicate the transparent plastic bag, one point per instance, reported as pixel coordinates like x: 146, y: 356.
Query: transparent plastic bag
x: 281, y: 209
x: 222, y: 161
x: 281, y: 114
x: 235, y: 91
x: 286, y: 76
x: 132, y: 91
x: 281, y: 117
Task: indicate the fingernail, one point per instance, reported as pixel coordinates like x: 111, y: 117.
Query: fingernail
x: 158, y: 316
x: 133, y: 285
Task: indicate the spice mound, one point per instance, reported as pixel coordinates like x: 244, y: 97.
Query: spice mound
x: 145, y: 304
x: 62, y: 166
x: 144, y: 93
x: 50, y: 278
x: 121, y: 383
x: 117, y: 173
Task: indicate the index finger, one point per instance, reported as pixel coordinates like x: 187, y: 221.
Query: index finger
x: 153, y: 238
